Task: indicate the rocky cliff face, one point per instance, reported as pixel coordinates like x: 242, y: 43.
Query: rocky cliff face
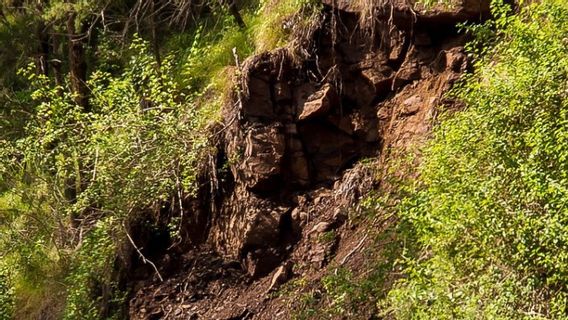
x: 289, y: 163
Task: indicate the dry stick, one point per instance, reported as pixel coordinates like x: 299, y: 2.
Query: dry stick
x: 142, y: 256
x: 214, y: 185
x: 239, y: 93
x: 180, y: 202
x: 95, y: 166
x: 354, y: 250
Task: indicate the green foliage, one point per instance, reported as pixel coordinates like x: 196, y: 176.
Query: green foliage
x: 327, y: 237
x: 6, y: 294
x: 29, y: 266
x: 17, y: 46
x: 92, y: 276
x: 146, y: 135
x: 339, y: 287
x: 429, y: 4
x: 490, y: 210
x: 138, y: 147
x: 277, y: 21
x: 208, y: 49
x: 211, y: 51
x: 70, y: 179
x: 306, y: 307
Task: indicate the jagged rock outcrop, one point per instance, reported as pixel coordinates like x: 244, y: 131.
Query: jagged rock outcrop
x: 293, y: 141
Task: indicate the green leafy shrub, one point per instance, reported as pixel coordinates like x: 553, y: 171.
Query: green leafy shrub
x: 76, y: 173
x: 73, y: 177
x: 491, y: 209
x: 92, y: 276
x: 6, y: 295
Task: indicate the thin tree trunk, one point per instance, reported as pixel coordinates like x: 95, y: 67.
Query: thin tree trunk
x: 155, y: 44
x: 43, y: 38
x: 234, y: 11
x: 43, y: 54
x: 55, y: 61
x: 78, y: 64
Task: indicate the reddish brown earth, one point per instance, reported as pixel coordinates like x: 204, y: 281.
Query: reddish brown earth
x: 277, y: 199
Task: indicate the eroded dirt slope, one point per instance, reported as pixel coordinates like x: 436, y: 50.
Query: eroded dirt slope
x: 300, y: 147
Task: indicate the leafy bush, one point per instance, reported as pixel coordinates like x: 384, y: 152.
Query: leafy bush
x: 6, y: 295
x: 491, y: 209
x: 73, y: 177
x: 92, y: 276
x: 78, y: 173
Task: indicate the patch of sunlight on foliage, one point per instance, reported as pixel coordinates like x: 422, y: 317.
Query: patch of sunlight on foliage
x: 207, y: 51
x: 6, y: 294
x: 211, y: 51
x: 491, y: 208
x: 274, y: 24
x: 430, y: 4
x: 6, y: 277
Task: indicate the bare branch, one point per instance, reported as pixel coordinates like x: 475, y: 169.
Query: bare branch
x: 144, y: 259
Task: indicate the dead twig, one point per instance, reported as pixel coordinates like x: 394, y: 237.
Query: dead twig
x: 354, y: 250
x: 238, y: 87
x: 144, y: 259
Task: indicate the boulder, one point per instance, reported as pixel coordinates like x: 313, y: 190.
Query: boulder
x: 380, y: 79
x: 282, y: 274
x: 321, y: 227
x: 319, y: 103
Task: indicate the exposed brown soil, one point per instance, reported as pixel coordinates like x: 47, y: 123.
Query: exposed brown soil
x: 292, y: 148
